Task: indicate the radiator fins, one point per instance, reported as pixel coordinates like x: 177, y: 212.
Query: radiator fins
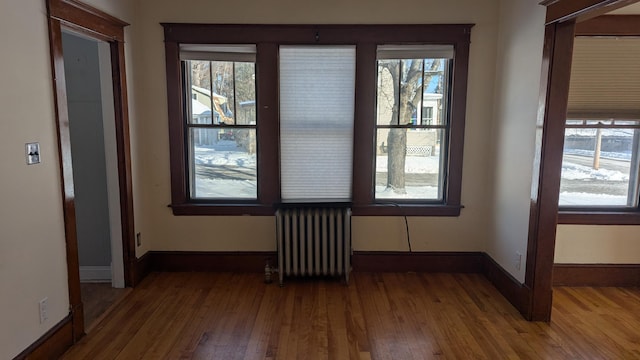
x: 314, y: 242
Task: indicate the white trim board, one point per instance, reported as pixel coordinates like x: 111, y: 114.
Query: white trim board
x: 95, y: 273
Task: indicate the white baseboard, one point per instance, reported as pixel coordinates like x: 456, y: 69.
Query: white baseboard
x: 95, y: 273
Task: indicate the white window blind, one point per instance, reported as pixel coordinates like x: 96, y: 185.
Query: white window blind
x: 605, y: 78
x: 386, y: 52
x: 317, y: 89
x: 212, y: 52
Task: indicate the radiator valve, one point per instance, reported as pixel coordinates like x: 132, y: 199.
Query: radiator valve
x: 267, y: 273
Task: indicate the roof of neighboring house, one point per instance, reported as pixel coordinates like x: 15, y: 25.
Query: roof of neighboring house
x: 207, y: 92
x: 197, y: 108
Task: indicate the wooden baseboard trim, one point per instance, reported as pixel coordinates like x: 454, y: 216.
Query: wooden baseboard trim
x: 52, y: 344
x: 144, y: 266
x: 515, y: 292
x: 253, y: 261
x: 385, y: 261
x: 363, y: 261
x: 618, y: 275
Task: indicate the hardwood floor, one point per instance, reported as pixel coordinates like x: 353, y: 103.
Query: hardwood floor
x: 378, y: 316
x: 97, y: 298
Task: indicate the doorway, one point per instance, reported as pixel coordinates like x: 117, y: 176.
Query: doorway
x: 74, y: 22
x: 87, y: 66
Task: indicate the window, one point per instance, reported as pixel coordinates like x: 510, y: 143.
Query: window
x: 265, y: 114
x: 411, y: 144
x: 600, y: 166
x: 220, y: 121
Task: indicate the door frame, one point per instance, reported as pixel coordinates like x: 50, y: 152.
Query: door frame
x: 96, y: 24
x: 561, y: 19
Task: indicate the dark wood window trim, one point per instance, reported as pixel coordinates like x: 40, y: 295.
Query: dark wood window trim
x: 610, y: 25
x: 604, y: 25
x: 267, y: 39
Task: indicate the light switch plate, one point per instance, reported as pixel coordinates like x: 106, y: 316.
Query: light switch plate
x: 33, y: 153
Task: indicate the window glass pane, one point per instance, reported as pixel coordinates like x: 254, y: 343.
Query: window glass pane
x: 245, y: 80
x: 388, y: 96
x: 223, y: 163
x: 598, y: 122
x: 599, y: 167
x: 411, y: 91
x: 420, y: 166
x: 628, y: 122
x: 435, y: 89
x: 218, y: 88
x: 409, y: 163
x: 317, y: 90
x: 223, y: 91
x: 200, y: 92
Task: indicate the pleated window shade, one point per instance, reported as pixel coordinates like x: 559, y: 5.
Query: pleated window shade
x: 605, y: 78
x: 317, y: 90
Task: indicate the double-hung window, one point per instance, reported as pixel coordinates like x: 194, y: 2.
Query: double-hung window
x: 369, y: 115
x: 220, y: 121
x: 600, y: 167
x: 412, y: 122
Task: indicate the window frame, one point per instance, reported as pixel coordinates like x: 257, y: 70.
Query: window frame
x: 606, y: 26
x: 601, y: 215
x: 190, y: 125
x: 445, y: 127
x: 267, y: 39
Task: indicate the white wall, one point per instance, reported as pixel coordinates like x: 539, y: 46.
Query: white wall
x: 519, y: 61
x: 32, y: 248
x: 467, y: 232
x: 84, y: 99
x: 597, y: 244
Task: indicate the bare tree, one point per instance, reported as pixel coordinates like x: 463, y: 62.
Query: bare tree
x: 405, y: 78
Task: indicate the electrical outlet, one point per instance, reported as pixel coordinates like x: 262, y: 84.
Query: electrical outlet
x: 44, y: 310
x: 138, y: 239
x: 517, y: 260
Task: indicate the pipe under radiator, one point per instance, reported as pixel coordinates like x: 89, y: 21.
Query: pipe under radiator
x: 313, y: 241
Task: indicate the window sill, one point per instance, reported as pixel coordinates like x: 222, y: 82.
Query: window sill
x: 585, y: 217
x: 406, y: 210
x: 222, y: 209
x: 194, y: 209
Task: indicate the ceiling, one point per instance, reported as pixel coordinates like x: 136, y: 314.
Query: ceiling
x: 633, y: 9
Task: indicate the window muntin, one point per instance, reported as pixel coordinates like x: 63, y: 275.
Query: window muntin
x: 220, y: 123
x: 600, y: 164
x: 412, y: 125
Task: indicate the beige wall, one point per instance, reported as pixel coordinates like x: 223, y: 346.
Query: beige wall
x: 519, y: 63
x: 32, y: 248
x: 32, y: 251
x: 168, y: 232
x: 597, y: 244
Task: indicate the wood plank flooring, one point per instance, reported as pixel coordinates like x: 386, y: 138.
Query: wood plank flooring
x: 378, y: 316
x: 97, y: 298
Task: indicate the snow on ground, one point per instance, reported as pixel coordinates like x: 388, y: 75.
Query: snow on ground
x: 571, y: 171
x: 227, y: 153
x: 603, y: 154
x: 224, y: 152
x: 213, y: 188
x: 413, y: 164
x: 581, y: 199
x: 412, y: 192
